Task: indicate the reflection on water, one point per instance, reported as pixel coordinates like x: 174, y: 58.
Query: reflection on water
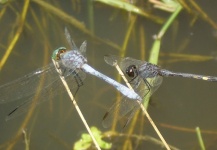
x: 55, y: 124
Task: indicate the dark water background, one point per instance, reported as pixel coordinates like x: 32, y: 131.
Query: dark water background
x: 179, y: 102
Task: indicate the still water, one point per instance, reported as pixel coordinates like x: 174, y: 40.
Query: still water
x: 177, y: 107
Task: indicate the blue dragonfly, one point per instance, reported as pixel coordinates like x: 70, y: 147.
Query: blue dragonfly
x: 46, y: 84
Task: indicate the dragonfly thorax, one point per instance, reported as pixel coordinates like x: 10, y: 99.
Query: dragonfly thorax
x: 73, y: 59
x: 148, y: 70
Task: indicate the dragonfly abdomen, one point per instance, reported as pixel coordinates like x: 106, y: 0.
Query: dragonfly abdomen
x: 167, y: 73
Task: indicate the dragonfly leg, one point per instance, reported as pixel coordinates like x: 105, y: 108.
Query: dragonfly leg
x: 78, y: 81
x: 148, y: 85
x: 133, y: 78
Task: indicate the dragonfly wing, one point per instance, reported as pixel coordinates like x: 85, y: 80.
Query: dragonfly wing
x: 23, y: 108
x: 122, y: 62
x: 47, y: 93
x: 83, y: 48
x: 155, y: 83
x: 146, y: 86
x: 124, y: 110
x: 137, y: 83
x: 72, y: 44
x: 112, y: 59
x: 74, y: 80
x: 27, y: 85
x: 69, y: 40
x: 126, y: 62
x: 121, y: 111
x: 35, y: 81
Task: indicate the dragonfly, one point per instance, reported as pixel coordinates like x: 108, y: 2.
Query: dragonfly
x: 145, y: 78
x: 45, y: 82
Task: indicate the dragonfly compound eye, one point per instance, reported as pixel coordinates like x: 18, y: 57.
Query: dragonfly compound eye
x: 60, y: 51
x: 131, y: 71
x: 56, y: 54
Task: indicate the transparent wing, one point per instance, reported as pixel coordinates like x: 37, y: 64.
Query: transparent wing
x: 124, y: 63
x: 83, y: 48
x: 39, y: 80
x: 44, y: 82
x: 28, y: 84
x: 124, y: 110
x: 121, y: 111
x: 48, y: 93
x: 69, y: 40
x: 72, y: 45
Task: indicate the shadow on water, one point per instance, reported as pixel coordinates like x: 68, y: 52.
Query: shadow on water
x: 31, y: 30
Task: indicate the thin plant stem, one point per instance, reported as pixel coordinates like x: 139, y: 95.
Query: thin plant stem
x: 72, y: 21
x: 123, y: 52
x: 203, y: 14
x: 200, y: 139
x: 157, y: 43
x: 75, y: 104
x: 17, y: 35
x: 143, y: 109
x: 154, y: 54
x: 90, y: 9
x: 138, y: 137
x: 26, y: 140
x: 29, y: 114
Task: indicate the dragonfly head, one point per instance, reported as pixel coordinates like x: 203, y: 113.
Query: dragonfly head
x: 57, y: 52
x: 132, y: 71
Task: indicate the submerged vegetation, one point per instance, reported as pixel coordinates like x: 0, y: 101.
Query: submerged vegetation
x: 34, y: 28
